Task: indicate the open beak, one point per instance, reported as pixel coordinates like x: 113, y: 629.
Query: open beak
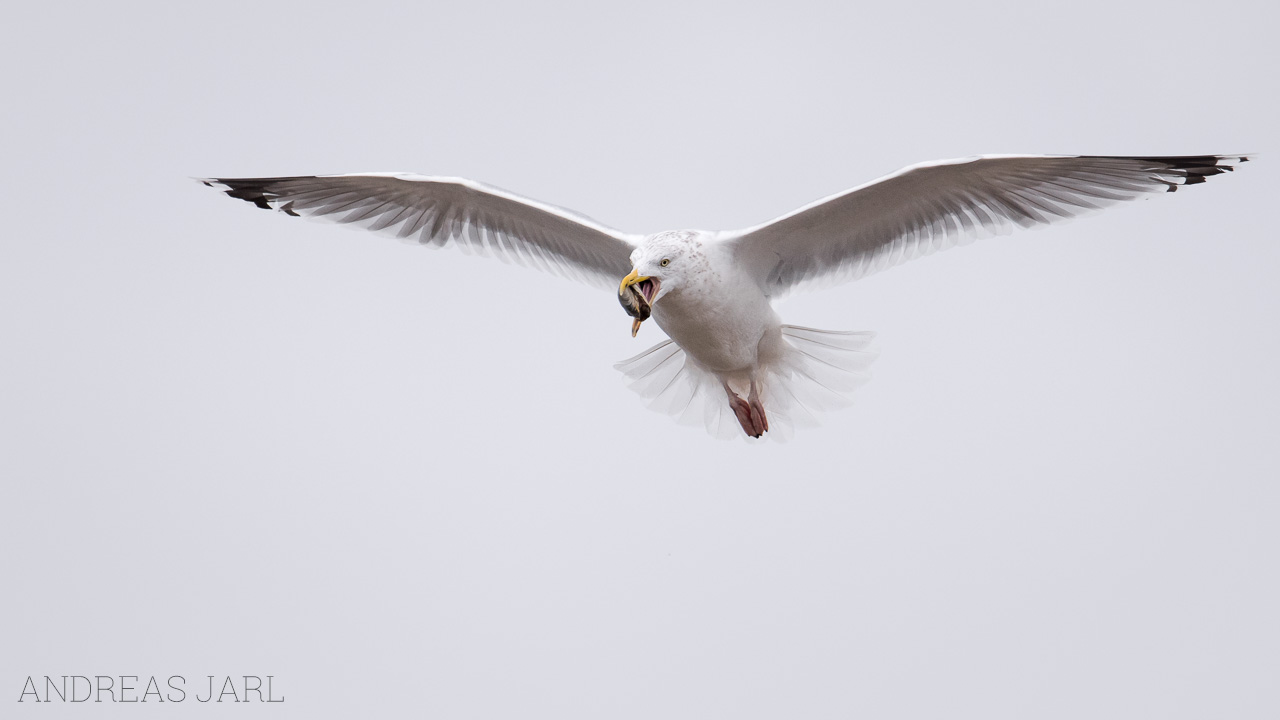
x: 630, y: 280
x: 636, y: 294
x: 648, y: 286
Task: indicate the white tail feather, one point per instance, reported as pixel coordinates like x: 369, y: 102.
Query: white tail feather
x: 818, y: 372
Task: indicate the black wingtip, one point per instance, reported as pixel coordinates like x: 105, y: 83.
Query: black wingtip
x: 252, y: 190
x: 1193, y: 169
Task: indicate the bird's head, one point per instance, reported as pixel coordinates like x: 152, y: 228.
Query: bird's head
x: 662, y: 264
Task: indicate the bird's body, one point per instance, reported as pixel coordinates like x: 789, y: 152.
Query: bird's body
x: 730, y: 356
x: 730, y: 362
x: 722, y: 318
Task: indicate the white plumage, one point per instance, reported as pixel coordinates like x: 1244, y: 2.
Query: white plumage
x: 731, y: 363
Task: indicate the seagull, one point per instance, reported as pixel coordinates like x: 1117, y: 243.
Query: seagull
x: 730, y: 363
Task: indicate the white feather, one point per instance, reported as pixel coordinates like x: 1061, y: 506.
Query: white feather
x: 440, y: 211
x: 937, y: 205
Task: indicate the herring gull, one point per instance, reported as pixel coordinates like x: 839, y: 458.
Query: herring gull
x: 730, y: 363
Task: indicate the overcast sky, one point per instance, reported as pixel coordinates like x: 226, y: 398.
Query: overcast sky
x: 410, y: 483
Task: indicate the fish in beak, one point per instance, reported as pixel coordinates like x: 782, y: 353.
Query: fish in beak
x: 636, y: 294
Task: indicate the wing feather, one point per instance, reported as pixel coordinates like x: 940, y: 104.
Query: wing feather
x: 437, y: 212
x: 933, y: 206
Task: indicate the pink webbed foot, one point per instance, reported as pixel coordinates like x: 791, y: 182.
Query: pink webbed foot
x: 759, y: 420
x: 750, y: 413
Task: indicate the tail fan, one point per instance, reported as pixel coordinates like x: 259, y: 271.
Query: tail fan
x: 817, y: 373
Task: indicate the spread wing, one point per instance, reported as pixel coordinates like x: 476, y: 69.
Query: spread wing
x: 933, y: 206
x: 437, y: 211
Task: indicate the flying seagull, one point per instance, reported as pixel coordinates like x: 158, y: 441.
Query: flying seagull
x: 730, y: 362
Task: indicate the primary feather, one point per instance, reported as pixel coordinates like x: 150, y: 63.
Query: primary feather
x: 436, y: 212
x: 932, y: 206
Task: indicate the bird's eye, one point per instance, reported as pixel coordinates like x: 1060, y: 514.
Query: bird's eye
x: 665, y: 262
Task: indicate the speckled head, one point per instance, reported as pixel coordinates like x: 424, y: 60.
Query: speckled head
x: 664, y: 263
x: 672, y: 258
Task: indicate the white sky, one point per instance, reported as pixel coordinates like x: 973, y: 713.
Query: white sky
x: 410, y: 482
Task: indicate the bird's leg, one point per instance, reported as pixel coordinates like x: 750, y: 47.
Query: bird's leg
x: 742, y: 409
x: 758, y: 418
x: 750, y: 413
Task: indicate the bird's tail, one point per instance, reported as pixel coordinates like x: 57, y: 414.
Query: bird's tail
x: 818, y: 371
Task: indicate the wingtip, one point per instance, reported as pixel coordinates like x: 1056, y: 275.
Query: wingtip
x: 1194, y: 169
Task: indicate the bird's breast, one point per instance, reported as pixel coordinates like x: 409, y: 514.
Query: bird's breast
x: 720, y: 325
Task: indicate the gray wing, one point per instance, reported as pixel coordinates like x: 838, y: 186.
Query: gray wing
x: 436, y: 211
x: 933, y: 206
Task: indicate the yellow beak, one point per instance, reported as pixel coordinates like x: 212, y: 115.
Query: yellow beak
x: 627, y: 282
x: 631, y: 279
